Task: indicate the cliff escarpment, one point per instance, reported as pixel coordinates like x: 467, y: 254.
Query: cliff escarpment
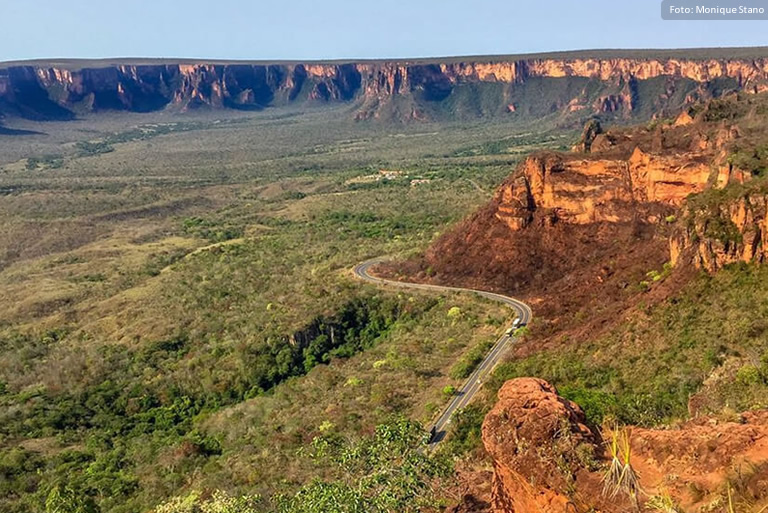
x: 525, y: 88
x: 723, y: 227
x: 564, y: 213
x: 621, y: 194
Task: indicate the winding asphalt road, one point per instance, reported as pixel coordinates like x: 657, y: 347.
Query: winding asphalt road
x: 475, y: 381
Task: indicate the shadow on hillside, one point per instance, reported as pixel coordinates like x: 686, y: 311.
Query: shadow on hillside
x: 15, y: 131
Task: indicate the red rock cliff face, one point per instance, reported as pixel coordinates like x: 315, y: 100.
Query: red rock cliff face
x: 57, y: 92
x: 648, y: 184
x: 634, y: 175
x: 560, y: 218
x: 562, y: 188
x: 712, y: 235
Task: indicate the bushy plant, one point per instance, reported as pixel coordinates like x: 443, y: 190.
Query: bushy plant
x: 218, y: 502
x: 63, y: 499
x: 389, y: 471
x: 749, y: 375
x: 469, y: 362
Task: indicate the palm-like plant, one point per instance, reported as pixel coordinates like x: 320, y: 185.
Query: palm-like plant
x: 621, y: 476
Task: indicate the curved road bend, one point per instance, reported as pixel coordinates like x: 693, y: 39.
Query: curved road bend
x: 475, y: 381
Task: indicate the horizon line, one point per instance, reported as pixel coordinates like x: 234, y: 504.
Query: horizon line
x: 606, y: 53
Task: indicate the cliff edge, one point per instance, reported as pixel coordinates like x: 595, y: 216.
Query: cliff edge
x: 565, y: 85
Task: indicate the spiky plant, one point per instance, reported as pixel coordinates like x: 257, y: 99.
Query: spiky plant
x: 612, y: 477
x: 630, y: 482
x: 621, y: 476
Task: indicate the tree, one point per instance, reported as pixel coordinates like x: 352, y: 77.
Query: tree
x: 63, y: 499
x: 383, y: 473
x: 219, y: 502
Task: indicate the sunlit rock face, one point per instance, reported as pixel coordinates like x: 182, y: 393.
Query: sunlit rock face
x: 576, y: 190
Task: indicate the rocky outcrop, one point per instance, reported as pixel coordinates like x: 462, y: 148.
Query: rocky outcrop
x: 535, y: 439
x: 594, y: 222
x: 619, y: 176
x: 651, y: 182
x: 717, y: 230
x: 546, y: 460
x: 566, y: 218
x: 563, y: 188
x: 61, y: 91
x: 588, y: 135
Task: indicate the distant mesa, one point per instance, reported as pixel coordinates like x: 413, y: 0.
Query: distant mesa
x: 631, y: 84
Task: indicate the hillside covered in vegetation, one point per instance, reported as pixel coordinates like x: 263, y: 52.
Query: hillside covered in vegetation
x: 642, y: 254
x: 180, y: 330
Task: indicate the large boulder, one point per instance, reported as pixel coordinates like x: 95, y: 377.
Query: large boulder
x: 541, y: 449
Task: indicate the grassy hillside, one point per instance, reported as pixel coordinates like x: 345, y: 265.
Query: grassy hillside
x: 178, y: 313
x: 702, y: 351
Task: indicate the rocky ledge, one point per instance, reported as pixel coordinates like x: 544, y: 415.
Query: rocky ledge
x: 621, y: 175
x: 692, y: 182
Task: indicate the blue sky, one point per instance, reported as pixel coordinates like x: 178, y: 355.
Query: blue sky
x: 326, y: 29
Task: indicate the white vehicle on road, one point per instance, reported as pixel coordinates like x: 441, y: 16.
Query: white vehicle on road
x: 515, y: 325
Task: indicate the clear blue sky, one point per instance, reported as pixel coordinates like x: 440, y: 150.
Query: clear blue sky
x: 325, y: 29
